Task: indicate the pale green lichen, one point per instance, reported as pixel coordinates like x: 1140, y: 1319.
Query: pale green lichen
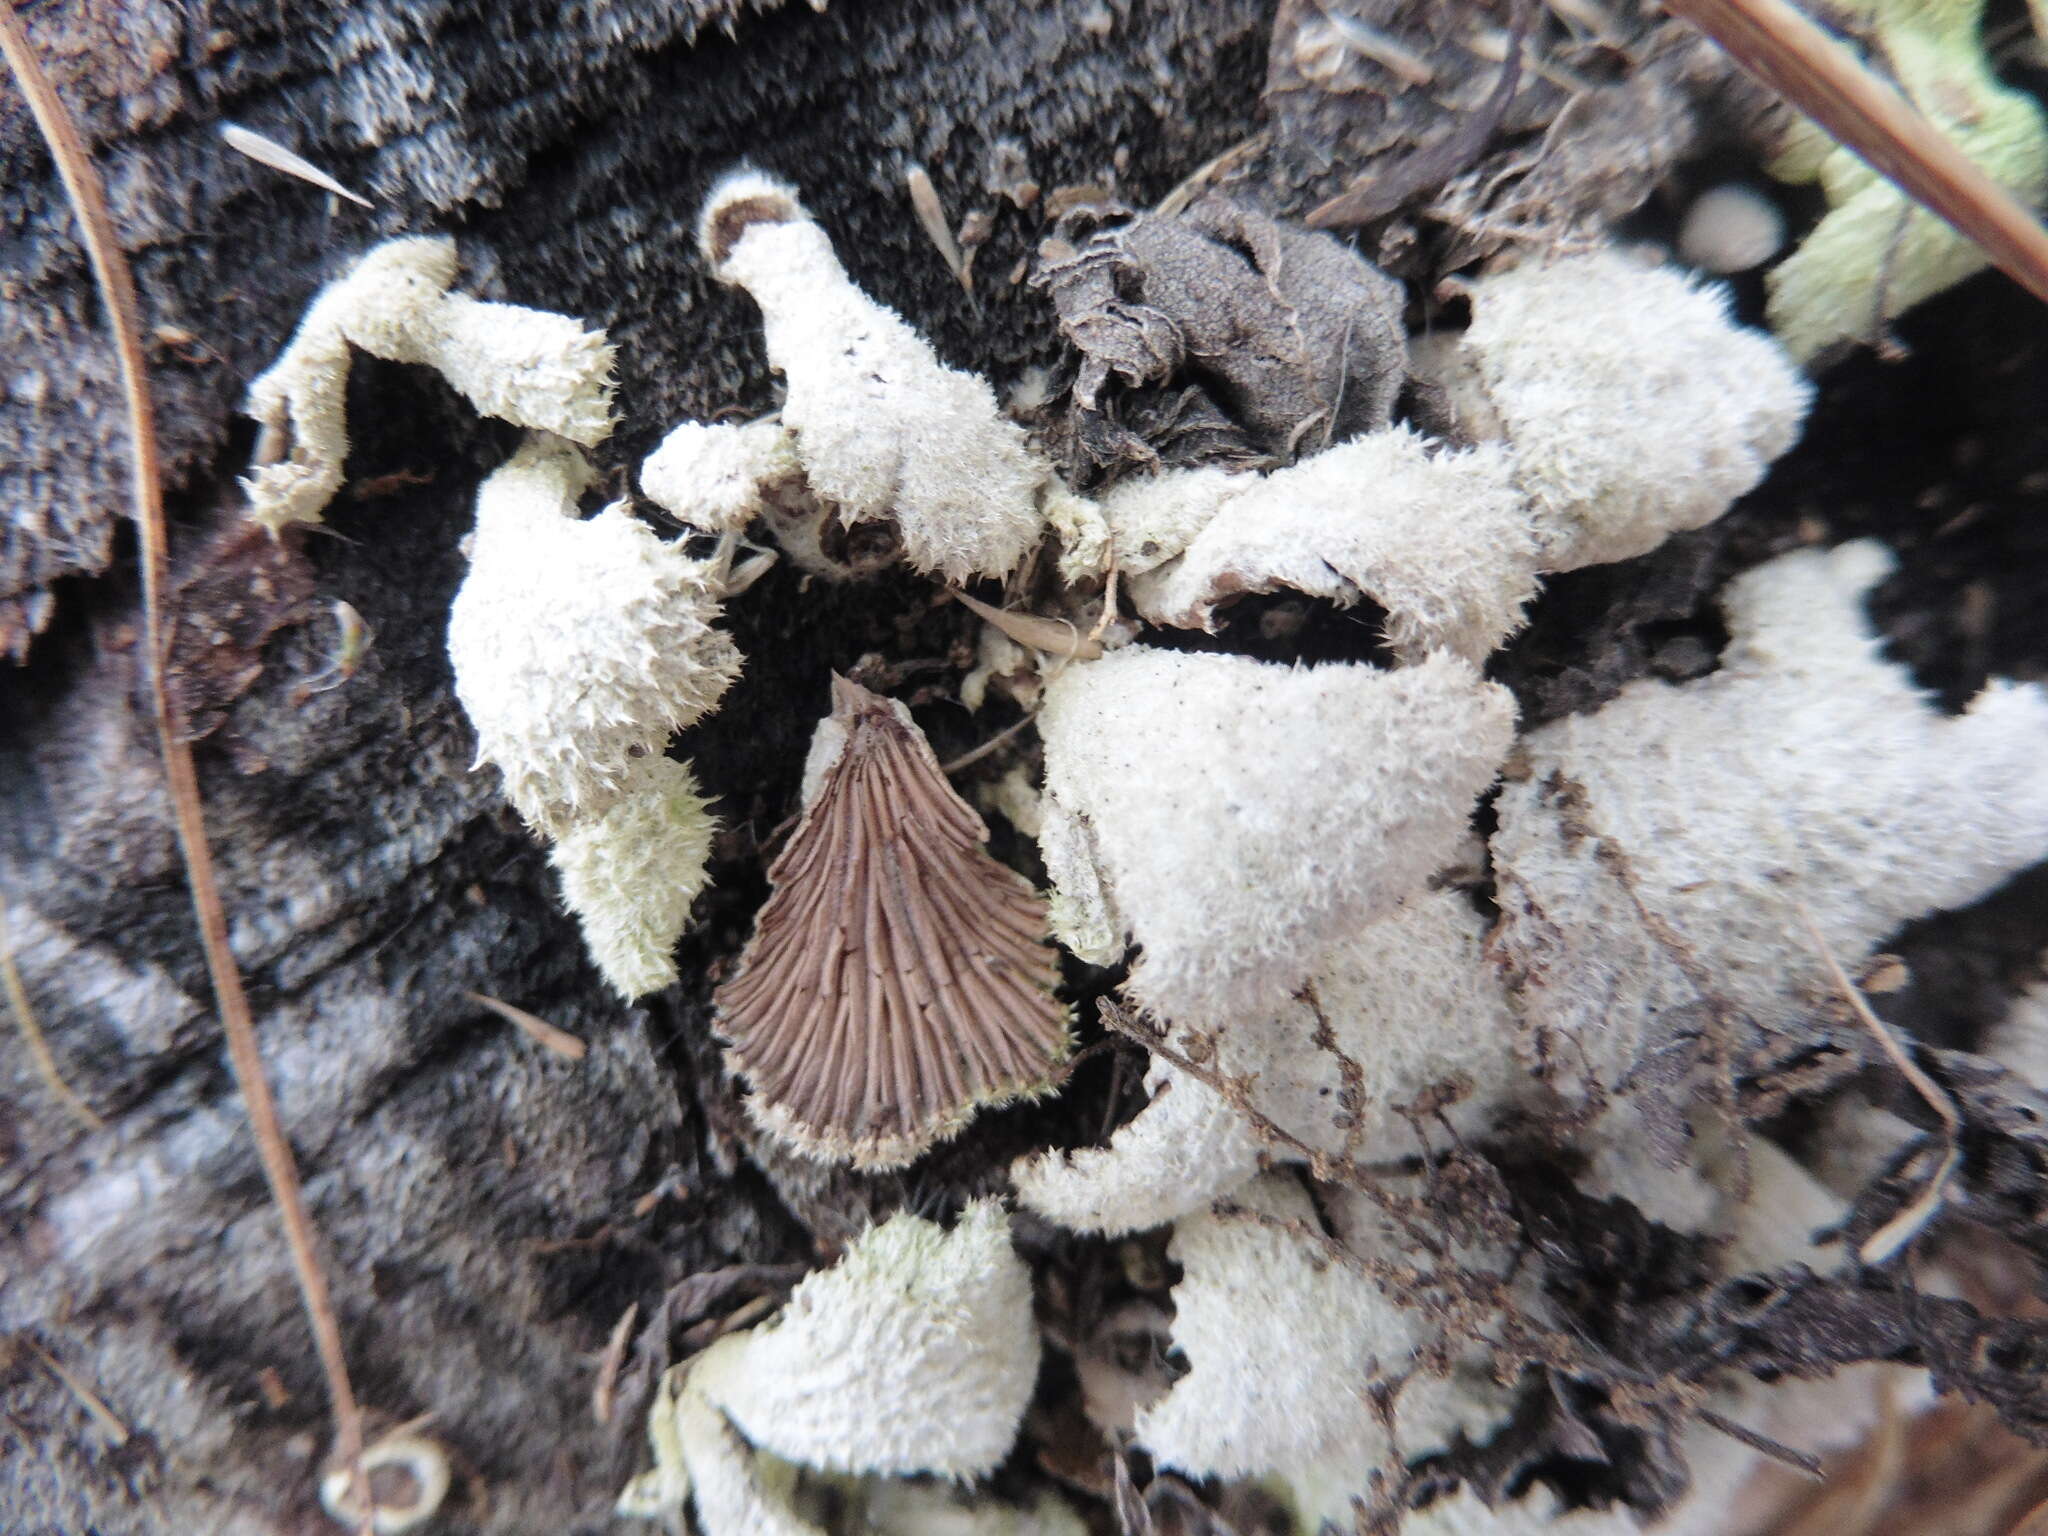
x: 1877, y: 253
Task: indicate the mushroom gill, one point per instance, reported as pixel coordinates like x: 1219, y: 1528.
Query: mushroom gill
x: 898, y: 977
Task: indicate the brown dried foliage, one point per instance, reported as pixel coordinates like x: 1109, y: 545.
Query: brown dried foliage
x: 898, y: 976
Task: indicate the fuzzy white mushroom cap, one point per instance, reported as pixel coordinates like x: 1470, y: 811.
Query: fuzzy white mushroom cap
x: 915, y: 1353
x: 1634, y: 407
x: 631, y: 873
x: 715, y: 477
x: 1807, y: 771
x: 535, y: 369
x: 1288, y: 1345
x: 1411, y: 1000
x: 884, y: 429
x: 1442, y: 540
x: 1236, y: 818
x: 579, y: 647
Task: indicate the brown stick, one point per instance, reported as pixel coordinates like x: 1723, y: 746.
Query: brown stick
x: 117, y: 289
x: 1821, y: 78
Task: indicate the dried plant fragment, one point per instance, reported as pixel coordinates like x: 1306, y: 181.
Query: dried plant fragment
x: 1632, y: 405
x: 266, y: 151
x: 1295, y: 338
x: 884, y: 430
x: 898, y: 976
x: 579, y: 646
x: 526, y: 366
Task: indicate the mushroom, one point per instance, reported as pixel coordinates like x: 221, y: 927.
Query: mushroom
x: 898, y: 976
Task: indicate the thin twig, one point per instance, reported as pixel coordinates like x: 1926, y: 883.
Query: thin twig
x: 32, y: 1034
x: 974, y: 755
x: 1820, y: 77
x: 560, y: 1041
x: 117, y: 290
x: 1896, y: 1233
x: 109, y: 1422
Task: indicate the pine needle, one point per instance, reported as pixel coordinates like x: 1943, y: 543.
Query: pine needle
x: 32, y: 1034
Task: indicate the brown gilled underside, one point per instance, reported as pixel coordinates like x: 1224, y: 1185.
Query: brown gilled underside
x: 898, y: 977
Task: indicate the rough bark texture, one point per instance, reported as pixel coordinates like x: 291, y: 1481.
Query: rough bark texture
x: 482, y: 1201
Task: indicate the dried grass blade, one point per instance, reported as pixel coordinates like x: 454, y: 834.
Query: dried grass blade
x: 273, y: 154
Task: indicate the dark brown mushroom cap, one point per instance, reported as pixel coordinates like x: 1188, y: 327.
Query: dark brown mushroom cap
x: 898, y: 977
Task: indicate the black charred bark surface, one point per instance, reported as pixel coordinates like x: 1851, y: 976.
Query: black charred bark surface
x: 489, y: 1210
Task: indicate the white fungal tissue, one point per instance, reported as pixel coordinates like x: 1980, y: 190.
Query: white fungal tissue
x: 1286, y: 1344
x: 1808, y: 773
x: 720, y: 478
x: 579, y: 646
x: 1409, y: 999
x: 1441, y: 539
x: 916, y: 1353
x: 1236, y: 818
x: 1632, y: 405
x: 883, y: 429
x: 526, y: 366
x: 631, y: 873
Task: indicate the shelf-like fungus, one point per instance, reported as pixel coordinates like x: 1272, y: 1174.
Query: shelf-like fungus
x: 898, y: 977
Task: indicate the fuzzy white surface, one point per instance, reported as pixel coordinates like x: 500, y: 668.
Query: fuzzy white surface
x: 1633, y: 405
x: 1286, y: 1346
x: 1441, y: 539
x: 631, y: 873
x: 1807, y: 771
x: 535, y: 369
x: 1241, y: 817
x: 916, y: 1352
x: 579, y: 647
x: 883, y: 428
x: 1410, y: 998
x: 2020, y: 1039
x: 713, y: 477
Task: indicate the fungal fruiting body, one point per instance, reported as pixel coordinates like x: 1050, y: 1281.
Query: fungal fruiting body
x: 916, y: 1353
x: 883, y: 429
x: 898, y: 976
x: 1632, y: 406
x: 631, y: 873
x: 535, y: 369
x: 579, y: 646
x: 1235, y: 819
x: 1407, y: 1003
x: 1440, y: 538
x: 1806, y: 775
